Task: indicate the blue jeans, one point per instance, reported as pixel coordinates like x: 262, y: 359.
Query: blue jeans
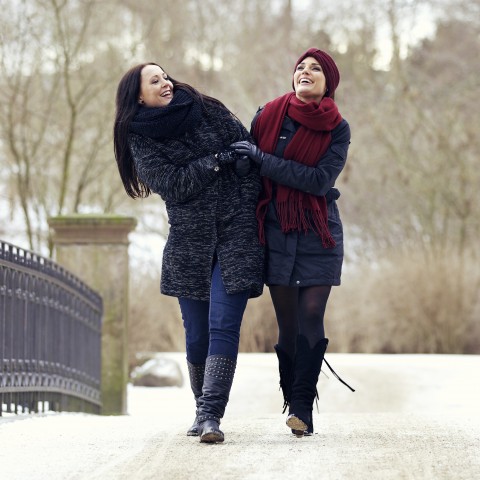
x: 213, y: 327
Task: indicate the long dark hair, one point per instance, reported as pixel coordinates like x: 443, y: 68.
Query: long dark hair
x: 127, y: 107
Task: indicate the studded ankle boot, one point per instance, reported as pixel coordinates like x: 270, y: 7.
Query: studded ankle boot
x: 217, y: 382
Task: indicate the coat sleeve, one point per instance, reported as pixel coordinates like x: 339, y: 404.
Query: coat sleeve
x: 172, y: 181
x: 316, y: 180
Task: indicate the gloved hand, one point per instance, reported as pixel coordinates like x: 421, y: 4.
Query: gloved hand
x: 225, y: 157
x: 244, y: 147
x: 242, y: 166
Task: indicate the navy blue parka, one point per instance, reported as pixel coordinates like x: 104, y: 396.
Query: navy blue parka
x: 296, y: 258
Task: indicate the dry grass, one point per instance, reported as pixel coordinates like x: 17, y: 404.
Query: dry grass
x: 155, y: 323
x: 403, y: 304
x: 408, y: 304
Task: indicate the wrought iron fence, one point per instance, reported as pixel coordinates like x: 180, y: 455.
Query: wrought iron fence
x: 50, y: 336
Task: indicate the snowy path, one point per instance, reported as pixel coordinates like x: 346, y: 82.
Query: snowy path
x: 412, y: 417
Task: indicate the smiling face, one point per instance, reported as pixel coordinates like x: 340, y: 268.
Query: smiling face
x: 309, y: 81
x: 156, y: 90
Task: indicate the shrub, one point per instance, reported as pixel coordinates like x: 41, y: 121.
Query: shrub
x: 408, y: 304
x: 404, y: 303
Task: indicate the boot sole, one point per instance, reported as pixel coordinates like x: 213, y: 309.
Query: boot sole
x: 298, y: 426
x: 212, y: 437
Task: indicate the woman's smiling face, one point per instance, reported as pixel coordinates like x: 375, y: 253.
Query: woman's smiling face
x: 309, y: 81
x: 156, y: 90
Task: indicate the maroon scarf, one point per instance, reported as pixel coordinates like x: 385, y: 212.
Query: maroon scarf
x: 297, y: 210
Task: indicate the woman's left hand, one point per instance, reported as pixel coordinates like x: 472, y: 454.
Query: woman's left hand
x: 244, y: 147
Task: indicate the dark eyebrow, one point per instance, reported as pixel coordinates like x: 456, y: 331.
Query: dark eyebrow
x: 313, y: 63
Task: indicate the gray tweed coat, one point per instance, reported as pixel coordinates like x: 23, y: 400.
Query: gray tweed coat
x: 211, y: 210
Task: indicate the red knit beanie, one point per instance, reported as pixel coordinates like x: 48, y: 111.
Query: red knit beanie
x: 329, y: 67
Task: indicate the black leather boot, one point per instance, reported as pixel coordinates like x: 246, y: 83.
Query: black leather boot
x: 308, y: 363
x: 196, y: 373
x: 217, y: 382
x: 285, y: 369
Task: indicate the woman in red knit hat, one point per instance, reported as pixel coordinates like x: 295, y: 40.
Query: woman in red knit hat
x: 301, y: 148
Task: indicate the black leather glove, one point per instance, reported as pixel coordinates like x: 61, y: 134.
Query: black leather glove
x: 226, y: 157
x: 242, y: 166
x: 244, y: 147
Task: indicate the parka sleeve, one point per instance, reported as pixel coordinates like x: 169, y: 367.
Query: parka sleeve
x: 315, y: 180
x: 172, y: 181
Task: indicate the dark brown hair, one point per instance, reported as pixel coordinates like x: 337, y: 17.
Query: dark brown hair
x: 127, y: 107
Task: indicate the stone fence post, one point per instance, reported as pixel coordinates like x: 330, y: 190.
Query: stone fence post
x: 95, y: 248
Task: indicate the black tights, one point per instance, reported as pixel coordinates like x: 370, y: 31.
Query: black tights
x: 299, y: 310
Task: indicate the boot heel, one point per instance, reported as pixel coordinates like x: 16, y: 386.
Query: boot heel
x: 193, y: 430
x: 298, y: 426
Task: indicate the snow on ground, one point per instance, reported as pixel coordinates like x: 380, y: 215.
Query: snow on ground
x: 412, y: 416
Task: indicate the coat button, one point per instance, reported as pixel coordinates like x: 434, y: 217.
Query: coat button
x: 217, y: 168
x: 298, y: 282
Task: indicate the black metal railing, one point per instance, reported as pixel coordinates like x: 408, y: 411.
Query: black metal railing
x: 50, y: 336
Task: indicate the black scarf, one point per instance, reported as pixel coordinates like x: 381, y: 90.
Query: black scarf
x: 181, y: 115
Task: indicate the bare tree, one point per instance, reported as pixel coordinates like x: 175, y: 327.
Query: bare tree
x: 58, y: 70
x: 409, y: 190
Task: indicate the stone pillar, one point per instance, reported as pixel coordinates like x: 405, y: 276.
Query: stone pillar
x: 95, y: 249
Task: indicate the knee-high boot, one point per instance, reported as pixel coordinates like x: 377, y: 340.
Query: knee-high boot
x: 196, y: 373
x: 308, y: 363
x: 217, y: 382
x: 285, y: 369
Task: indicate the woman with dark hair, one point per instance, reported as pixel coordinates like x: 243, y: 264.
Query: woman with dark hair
x: 172, y: 140
x: 301, y: 148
